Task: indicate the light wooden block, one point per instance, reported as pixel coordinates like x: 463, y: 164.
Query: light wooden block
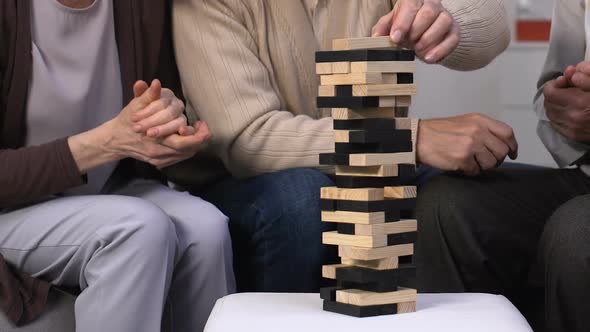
x: 363, y: 43
x: 403, y: 101
x: 347, y: 217
x: 383, y: 67
x: 377, y: 90
x: 365, y: 298
x: 398, y: 227
x: 367, y: 113
x: 406, y: 307
x: 400, y: 192
x: 327, y: 91
x: 374, y: 159
x: 323, y: 68
x: 389, y: 263
x: 362, y: 241
x: 367, y: 254
x: 329, y: 271
x: 358, y: 78
x: 341, y: 67
x: 371, y: 171
x: 345, y: 194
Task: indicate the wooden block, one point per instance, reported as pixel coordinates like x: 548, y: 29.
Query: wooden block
x: 372, y: 113
x: 383, y: 67
x: 367, y: 159
x: 388, y: 263
x: 364, y: 136
x: 341, y: 67
x: 400, y: 192
x: 343, y: 181
x: 329, y: 271
x: 387, y: 147
x: 355, y: 102
x: 376, y: 90
x: 386, y: 205
x: 353, y: 217
x: 359, y: 312
x: 323, y: 68
x: 364, y: 298
x: 403, y: 101
x: 375, y: 253
x: 404, y: 307
x: 363, y: 194
x: 358, y: 78
x: 363, y: 241
x: 373, y: 171
x: 327, y: 91
x: 363, y: 43
x: 365, y: 55
x: 373, y: 159
x: 398, y: 227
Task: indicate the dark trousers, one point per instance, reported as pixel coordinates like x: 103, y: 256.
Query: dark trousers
x: 521, y: 233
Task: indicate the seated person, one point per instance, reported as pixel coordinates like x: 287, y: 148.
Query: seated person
x: 524, y: 233
x: 248, y: 70
x: 70, y: 213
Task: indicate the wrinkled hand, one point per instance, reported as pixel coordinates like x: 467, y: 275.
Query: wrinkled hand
x: 469, y: 143
x: 567, y: 105
x: 125, y: 140
x: 162, y: 117
x: 423, y: 25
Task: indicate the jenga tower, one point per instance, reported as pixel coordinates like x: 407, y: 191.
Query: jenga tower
x: 369, y: 83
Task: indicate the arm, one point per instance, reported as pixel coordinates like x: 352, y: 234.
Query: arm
x: 567, y: 34
x: 231, y: 90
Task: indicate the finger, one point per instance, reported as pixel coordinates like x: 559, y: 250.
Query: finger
x: 562, y: 82
x: 569, y: 72
x: 557, y: 95
x: 403, y: 18
x: 139, y: 88
x: 160, y: 118
x: 425, y: 18
x: 583, y: 67
x: 581, y: 81
x: 486, y: 159
x: 383, y: 26
x: 471, y: 167
x: 436, y: 33
x: 167, y: 129
x: 497, y: 147
x: 555, y: 112
x: 183, y: 143
x: 444, y: 48
x: 506, y: 134
x: 150, y: 95
x: 187, y: 131
x: 153, y: 108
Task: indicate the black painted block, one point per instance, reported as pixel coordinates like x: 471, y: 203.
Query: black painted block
x: 402, y: 238
x: 394, y: 147
x: 351, y: 182
x: 347, y: 102
x: 389, y: 205
x: 377, y: 287
x: 376, y: 136
x: 365, y: 55
x: 361, y: 275
x: 366, y: 124
x: 405, y: 78
x: 356, y: 311
x: 329, y: 293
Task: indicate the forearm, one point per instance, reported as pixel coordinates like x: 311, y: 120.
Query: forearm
x: 484, y: 29
x: 91, y: 149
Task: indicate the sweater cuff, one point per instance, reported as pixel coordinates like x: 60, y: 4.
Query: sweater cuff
x: 484, y: 33
x: 67, y: 163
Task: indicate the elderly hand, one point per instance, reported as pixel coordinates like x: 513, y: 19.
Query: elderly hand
x: 567, y: 105
x: 423, y: 25
x: 469, y: 143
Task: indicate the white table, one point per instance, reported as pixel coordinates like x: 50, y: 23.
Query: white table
x: 264, y: 312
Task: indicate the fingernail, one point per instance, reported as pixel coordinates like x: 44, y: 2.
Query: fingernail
x: 396, y: 37
x: 137, y: 128
x: 429, y: 57
x: 152, y: 132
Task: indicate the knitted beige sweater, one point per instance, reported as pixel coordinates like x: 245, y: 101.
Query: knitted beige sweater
x: 248, y: 70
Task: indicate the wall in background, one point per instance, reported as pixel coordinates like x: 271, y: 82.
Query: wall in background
x: 503, y: 90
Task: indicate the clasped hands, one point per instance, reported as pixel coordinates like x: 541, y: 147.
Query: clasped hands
x: 567, y: 102
x: 152, y: 128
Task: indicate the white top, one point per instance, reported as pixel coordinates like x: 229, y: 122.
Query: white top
x: 259, y: 312
x: 76, y: 79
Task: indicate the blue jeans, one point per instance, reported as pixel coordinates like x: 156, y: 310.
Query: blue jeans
x: 276, y: 228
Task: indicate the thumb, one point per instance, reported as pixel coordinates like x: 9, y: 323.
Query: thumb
x: 561, y: 82
x: 151, y: 94
x: 383, y: 26
x: 139, y: 88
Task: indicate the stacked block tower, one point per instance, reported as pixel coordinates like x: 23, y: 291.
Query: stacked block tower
x: 369, y: 83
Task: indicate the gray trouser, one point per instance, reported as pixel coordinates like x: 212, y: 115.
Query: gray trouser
x: 146, y: 259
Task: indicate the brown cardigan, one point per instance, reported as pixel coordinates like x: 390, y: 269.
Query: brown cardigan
x: 143, y: 32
